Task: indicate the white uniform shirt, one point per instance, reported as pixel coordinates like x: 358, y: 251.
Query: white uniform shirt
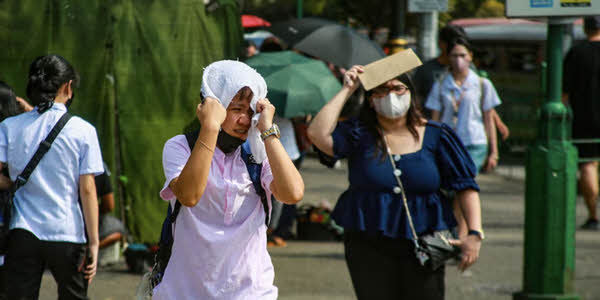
x: 220, y: 245
x: 48, y: 205
x: 288, y: 137
x: 469, y: 126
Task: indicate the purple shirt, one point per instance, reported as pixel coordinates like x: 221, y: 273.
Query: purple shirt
x: 220, y: 244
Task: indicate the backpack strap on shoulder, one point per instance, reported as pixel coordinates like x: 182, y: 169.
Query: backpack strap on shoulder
x: 255, y: 169
x: 440, y: 82
x: 482, y: 91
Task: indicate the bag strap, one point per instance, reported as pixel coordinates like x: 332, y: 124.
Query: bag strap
x: 255, y: 170
x: 440, y: 82
x: 482, y: 90
x: 41, y: 151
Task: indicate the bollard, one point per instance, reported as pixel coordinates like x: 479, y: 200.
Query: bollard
x: 550, y: 193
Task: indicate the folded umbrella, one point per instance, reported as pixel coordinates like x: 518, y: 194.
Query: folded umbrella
x: 328, y: 41
x: 297, y: 85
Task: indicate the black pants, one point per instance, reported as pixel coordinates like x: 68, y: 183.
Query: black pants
x: 384, y: 268
x: 28, y: 256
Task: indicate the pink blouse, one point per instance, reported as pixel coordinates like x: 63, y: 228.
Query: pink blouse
x: 220, y: 244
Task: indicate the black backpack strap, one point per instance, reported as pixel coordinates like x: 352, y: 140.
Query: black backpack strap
x: 41, y: 151
x: 191, y: 138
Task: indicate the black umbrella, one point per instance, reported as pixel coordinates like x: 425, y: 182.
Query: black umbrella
x: 328, y: 41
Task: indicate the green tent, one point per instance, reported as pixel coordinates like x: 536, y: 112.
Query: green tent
x: 140, y: 63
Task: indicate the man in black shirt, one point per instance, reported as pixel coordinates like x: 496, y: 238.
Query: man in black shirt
x: 581, y: 90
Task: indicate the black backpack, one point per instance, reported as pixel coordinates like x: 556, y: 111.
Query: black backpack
x: 165, y: 244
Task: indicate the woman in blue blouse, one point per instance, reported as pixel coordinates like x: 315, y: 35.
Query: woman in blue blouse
x: 428, y: 157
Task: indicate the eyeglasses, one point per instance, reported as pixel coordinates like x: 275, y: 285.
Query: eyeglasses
x: 399, y: 89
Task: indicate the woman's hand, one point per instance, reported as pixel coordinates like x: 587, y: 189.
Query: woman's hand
x: 469, y: 246
x: 92, y: 264
x: 23, y: 105
x: 351, y: 77
x: 211, y: 113
x: 491, y: 162
x: 267, y: 111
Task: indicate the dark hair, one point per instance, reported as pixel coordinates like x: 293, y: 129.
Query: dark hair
x: 368, y: 116
x: 46, y: 75
x: 248, y: 43
x: 8, y: 102
x: 271, y: 44
x: 591, y: 24
x: 462, y: 41
x: 450, y: 32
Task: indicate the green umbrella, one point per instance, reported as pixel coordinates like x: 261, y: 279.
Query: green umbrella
x: 297, y: 85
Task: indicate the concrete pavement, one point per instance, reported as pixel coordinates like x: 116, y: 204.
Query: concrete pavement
x: 317, y: 270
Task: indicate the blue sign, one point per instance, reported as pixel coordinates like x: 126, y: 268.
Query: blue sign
x: 541, y: 3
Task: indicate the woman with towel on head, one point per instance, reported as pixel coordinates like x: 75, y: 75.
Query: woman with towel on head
x: 220, y: 238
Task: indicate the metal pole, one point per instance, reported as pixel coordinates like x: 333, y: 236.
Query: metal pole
x: 396, y: 42
x: 299, y: 9
x: 398, y: 16
x: 550, y: 192
x: 428, y: 35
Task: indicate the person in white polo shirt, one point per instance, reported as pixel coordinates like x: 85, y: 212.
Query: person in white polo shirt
x: 49, y: 226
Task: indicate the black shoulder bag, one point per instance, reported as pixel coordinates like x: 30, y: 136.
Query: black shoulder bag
x: 432, y: 249
x: 6, y: 197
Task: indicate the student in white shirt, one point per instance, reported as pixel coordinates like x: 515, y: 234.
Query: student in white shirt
x: 48, y: 224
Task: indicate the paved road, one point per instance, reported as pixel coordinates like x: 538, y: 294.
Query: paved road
x: 317, y: 271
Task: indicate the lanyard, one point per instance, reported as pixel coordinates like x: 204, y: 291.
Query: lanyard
x: 455, y: 105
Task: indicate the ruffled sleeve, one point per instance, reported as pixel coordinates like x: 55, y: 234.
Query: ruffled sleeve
x: 457, y: 169
x: 345, y: 140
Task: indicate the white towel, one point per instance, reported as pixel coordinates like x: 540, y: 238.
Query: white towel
x: 223, y: 79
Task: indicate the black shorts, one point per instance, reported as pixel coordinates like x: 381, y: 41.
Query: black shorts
x: 588, y: 150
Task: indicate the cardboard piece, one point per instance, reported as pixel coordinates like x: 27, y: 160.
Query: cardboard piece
x: 387, y: 68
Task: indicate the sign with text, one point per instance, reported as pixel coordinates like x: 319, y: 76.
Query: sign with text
x: 552, y: 8
x: 421, y: 6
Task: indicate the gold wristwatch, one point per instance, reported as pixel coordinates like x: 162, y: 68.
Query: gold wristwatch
x: 274, y: 130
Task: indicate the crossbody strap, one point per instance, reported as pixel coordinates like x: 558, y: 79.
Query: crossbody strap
x: 41, y: 151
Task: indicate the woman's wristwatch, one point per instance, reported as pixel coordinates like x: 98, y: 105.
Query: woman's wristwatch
x: 477, y: 233
x: 274, y: 130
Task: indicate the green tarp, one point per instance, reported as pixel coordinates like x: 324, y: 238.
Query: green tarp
x: 140, y: 64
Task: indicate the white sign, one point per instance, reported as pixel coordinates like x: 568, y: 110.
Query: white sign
x: 552, y: 8
x: 421, y: 6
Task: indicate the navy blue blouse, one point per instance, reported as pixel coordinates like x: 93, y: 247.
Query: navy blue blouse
x: 372, y: 204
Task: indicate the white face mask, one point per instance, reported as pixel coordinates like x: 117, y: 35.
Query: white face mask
x: 392, y: 106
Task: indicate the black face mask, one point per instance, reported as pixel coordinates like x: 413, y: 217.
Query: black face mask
x: 70, y: 101
x: 228, y: 143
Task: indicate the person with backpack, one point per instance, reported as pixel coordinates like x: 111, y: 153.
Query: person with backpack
x: 219, y: 248
x: 52, y: 159
x: 465, y: 101
x: 434, y: 69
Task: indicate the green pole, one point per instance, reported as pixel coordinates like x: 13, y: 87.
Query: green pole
x: 299, y: 9
x: 550, y: 192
